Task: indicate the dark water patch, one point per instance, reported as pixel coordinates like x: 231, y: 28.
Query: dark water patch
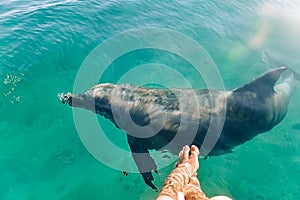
x: 296, y: 126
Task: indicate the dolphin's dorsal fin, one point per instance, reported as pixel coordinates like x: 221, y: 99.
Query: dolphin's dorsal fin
x: 264, y: 84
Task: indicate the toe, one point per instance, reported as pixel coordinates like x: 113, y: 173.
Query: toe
x: 195, y: 150
x: 186, y: 152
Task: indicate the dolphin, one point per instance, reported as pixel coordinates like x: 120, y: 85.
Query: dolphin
x: 246, y: 111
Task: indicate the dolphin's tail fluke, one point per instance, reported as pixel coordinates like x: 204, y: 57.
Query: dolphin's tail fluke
x: 266, y: 59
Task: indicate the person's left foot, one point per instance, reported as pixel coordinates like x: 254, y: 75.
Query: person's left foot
x: 183, y: 155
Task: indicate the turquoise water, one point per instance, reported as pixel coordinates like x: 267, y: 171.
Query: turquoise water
x: 42, y: 46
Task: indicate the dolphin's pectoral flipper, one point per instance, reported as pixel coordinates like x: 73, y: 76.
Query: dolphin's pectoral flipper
x: 148, y: 178
x: 142, y: 159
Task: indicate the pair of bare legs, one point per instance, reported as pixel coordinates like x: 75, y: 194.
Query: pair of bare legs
x: 182, y: 183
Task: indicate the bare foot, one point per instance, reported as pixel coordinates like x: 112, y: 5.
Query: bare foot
x: 183, y: 155
x: 190, y: 156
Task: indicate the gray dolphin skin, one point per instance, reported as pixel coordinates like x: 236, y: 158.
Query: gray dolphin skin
x: 248, y: 110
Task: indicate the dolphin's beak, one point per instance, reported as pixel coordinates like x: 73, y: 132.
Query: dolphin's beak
x: 65, y: 98
x: 76, y: 100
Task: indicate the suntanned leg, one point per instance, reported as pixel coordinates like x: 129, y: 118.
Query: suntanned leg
x: 193, y: 191
x: 178, y: 179
x: 182, y: 183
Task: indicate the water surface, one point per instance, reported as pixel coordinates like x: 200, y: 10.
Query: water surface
x: 43, y: 44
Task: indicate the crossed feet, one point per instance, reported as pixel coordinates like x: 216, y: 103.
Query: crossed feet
x: 190, y: 156
x: 187, y: 159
